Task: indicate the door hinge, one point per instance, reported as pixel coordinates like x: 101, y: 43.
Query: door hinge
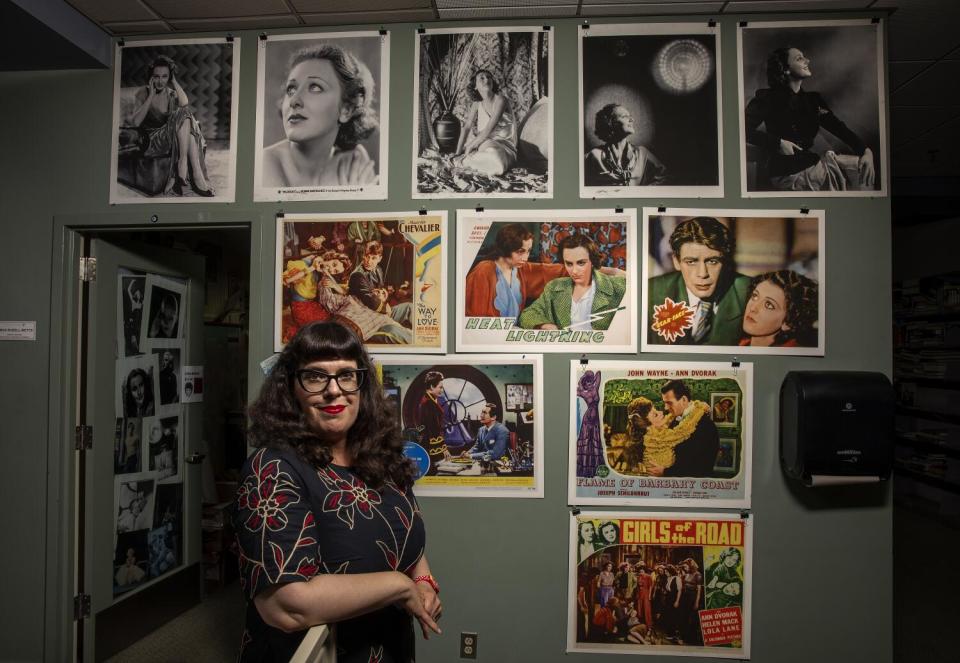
x: 81, y: 607
x: 88, y: 269
x: 83, y: 438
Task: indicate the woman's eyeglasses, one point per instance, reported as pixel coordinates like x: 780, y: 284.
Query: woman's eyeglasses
x: 314, y: 381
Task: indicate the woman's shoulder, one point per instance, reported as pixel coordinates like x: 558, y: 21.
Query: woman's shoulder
x: 274, y: 463
x: 357, y: 151
x: 273, y: 160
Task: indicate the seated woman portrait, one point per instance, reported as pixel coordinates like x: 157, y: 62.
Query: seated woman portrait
x: 328, y: 528
x: 167, y: 127
x: 488, y: 137
x: 618, y: 162
x: 792, y: 118
x: 585, y: 299
x: 650, y: 444
x: 782, y: 311
x: 327, y: 110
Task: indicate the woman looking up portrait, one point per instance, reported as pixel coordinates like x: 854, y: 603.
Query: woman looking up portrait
x: 792, y: 118
x: 618, y: 162
x: 327, y: 110
x: 328, y: 528
x: 782, y: 311
x: 167, y: 126
x: 488, y: 138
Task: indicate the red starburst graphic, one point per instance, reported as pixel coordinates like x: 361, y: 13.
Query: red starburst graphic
x: 671, y: 318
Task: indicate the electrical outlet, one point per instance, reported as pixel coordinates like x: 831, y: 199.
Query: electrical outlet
x: 468, y: 645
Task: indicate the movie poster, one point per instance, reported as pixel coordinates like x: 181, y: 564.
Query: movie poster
x: 472, y: 424
x: 310, y: 145
x: 812, y: 108
x: 546, y: 281
x: 174, y: 137
x: 661, y: 433
x: 650, y: 110
x: 733, y: 281
x: 671, y: 583
x: 382, y: 275
x: 483, y: 113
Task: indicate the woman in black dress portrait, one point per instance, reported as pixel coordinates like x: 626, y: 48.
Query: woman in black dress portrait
x: 791, y: 118
x: 328, y: 528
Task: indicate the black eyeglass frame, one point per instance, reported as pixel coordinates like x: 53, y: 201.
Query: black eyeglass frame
x: 361, y: 377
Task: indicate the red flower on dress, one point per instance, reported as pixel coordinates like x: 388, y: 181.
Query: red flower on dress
x: 265, y: 494
x: 348, y: 497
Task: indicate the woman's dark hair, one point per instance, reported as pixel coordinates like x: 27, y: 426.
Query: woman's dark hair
x: 802, y: 301
x: 580, y: 240
x: 638, y: 422
x: 357, y: 83
x: 510, y: 238
x: 778, y: 73
x: 603, y: 526
x: 130, y: 405
x: 161, y: 61
x: 603, y: 123
x: 374, y: 440
x: 472, y: 90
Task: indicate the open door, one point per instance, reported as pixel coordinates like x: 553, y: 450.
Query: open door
x: 139, y: 556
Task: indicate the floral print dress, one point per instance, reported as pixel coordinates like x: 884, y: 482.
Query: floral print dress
x: 294, y: 521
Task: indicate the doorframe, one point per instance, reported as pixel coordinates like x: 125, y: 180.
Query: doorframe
x: 61, y: 526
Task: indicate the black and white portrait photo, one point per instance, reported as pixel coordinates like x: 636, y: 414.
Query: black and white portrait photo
x: 483, y: 116
x: 164, y: 312
x: 163, y: 443
x: 130, y: 293
x: 137, y: 386
x: 127, y: 445
x: 133, y: 503
x: 130, y: 563
x: 322, y: 107
x: 169, y: 358
x: 812, y: 116
x: 174, y: 121
x: 650, y: 110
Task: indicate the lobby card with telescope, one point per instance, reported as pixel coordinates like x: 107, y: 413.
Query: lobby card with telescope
x: 382, y: 275
x: 323, y: 102
x: 546, y: 281
x: 473, y: 424
x: 648, y: 433
x: 733, y: 281
x: 650, y: 120
x: 668, y: 583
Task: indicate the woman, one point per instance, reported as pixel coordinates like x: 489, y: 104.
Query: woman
x: 167, y: 127
x: 129, y: 572
x: 605, y: 583
x: 690, y: 603
x: 782, y: 310
x: 138, y: 394
x: 327, y: 111
x: 792, y: 118
x: 609, y: 533
x: 586, y: 536
x: 725, y: 586
x: 128, y: 448
x: 650, y: 440
x: 488, y: 138
x: 328, y: 528
x: 586, y: 298
x: 618, y: 162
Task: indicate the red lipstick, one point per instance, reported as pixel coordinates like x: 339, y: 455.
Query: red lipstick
x: 334, y: 409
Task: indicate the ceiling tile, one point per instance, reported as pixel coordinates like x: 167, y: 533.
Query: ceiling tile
x: 658, y: 3
x: 237, y: 23
x: 792, y: 5
x: 113, y: 11
x: 930, y: 155
x: 901, y: 72
x: 909, y: 123
x: 505, y: 12
x: 361, y: 18
x: 929, y: 88
x: 341, y: 6
x: 923, y: 30
x: 650, y: 8
x: 473, y: 4
x: 137, y: 27
x: 215, y: 8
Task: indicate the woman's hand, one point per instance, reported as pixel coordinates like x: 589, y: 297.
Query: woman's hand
x: 866, y: 170
x: 547, y: 325
x: 788, y: 147
x: 415, y: 606
x: 431, y: 600
x: 352, y: 167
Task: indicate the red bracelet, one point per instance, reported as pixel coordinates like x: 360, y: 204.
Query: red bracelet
x: 430, y: 580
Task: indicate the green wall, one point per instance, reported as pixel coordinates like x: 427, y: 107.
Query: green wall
x: 821, y: 582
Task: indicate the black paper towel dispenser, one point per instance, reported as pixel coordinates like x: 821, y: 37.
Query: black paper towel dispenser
x: 836, y: 427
